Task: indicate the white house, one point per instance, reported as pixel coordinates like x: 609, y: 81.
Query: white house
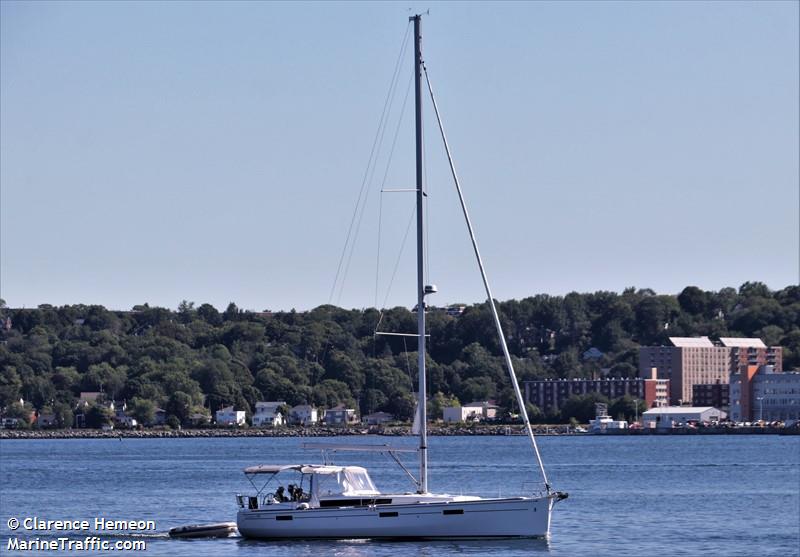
x: 670, y: 416
x: 303, y: 414
x: 229, y: 416
x: 466, y: 413
x: 267, y: 414
x: 125, y: 421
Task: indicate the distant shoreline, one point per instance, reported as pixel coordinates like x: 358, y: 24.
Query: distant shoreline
x: 393, y: 431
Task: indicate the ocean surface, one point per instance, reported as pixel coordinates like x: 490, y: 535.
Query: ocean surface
x: 734, y: 495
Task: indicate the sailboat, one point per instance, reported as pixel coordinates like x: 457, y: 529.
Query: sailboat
x: 334, y: 501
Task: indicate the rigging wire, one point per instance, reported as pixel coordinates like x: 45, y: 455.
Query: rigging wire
x: 396, y: 266
x: 408, y: 364
x: 399, y: 256
x: 383, y: 184
x: 378, y: 255
x: 372, y: 175
x: 408, y: 369
x: 370, y: 162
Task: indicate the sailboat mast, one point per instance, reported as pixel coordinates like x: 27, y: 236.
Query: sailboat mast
x: 421, y: 396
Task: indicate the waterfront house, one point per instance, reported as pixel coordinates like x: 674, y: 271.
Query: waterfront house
x: 125, y: 422
x: 377, y: 418
x: 46, y: 419
x: 88, y: 397
x: 267, y: 414
x: 230, y: 417
x: 199, y: 419
x: 9, y: 423
x: 119, y: 407
x: 340, y: 415
x: 159, y: 417
x: 303, y: 414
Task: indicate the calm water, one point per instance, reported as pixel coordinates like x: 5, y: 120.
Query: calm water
x: 692, y: 496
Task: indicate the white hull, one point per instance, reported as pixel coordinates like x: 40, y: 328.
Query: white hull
x: 519, y: 517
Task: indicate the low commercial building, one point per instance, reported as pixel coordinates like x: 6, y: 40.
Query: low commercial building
x: 488, y: 409
x: 472, y: 412
x: 671, y: 416
x: 454, y: 414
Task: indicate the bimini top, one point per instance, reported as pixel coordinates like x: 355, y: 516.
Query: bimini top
x: 303, y: 468
x: 344, y: 480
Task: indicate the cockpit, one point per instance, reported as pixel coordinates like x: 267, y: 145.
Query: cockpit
x: 308, y: 486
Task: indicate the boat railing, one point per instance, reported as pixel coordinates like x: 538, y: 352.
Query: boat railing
x: 536, y: 489
x: 253, y: 502
x: 247, y: 501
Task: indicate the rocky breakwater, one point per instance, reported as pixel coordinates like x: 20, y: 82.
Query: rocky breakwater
x: 318, y: 431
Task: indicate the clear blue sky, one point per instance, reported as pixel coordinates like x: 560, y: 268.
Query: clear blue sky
x: 154, y: 152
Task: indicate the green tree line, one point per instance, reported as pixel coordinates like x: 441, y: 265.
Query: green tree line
x: 198, y: 357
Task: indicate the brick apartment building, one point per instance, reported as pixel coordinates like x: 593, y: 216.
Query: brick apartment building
x: 691, y: 361
x: 712, y: 394
x: 551, y: 394
x: 752, y: 352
